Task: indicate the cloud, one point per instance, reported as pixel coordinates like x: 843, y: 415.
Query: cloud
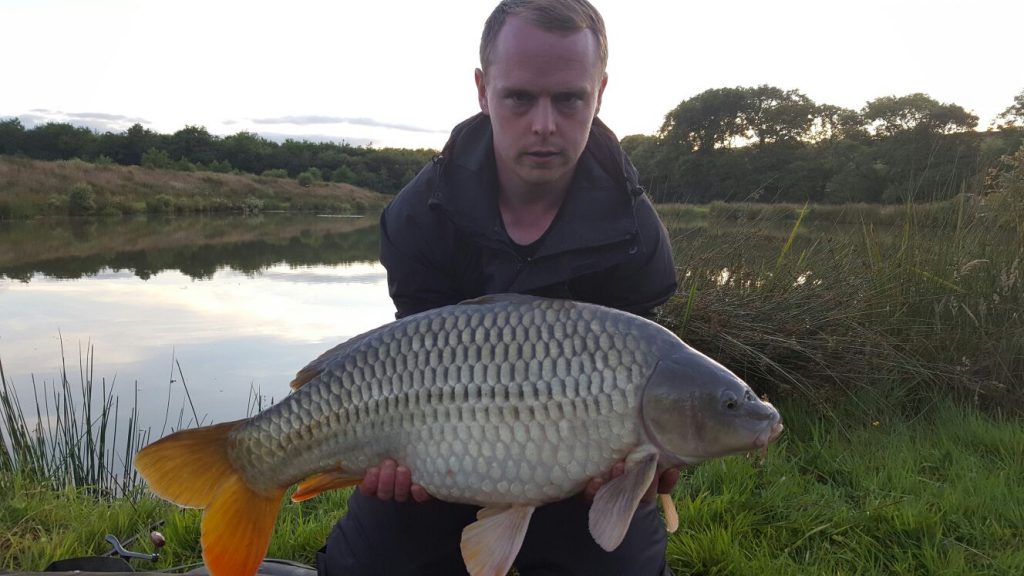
x: 319, y: 120
x: 98, y: 121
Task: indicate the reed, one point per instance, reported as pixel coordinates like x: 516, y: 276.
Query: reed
x: 74, y: 437
x: 886, y: 312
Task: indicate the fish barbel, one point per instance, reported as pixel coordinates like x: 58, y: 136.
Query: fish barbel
x: 507, y: 402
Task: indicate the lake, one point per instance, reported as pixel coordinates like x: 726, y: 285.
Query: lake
x: 230, y: 307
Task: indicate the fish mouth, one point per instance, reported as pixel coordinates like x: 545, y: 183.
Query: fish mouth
x: 769, y: 435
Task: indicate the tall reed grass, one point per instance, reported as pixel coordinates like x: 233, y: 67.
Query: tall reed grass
x: 73, y: 436
x: 884, y: 312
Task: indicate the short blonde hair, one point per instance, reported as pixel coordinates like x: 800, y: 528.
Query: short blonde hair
x: 550, y: 15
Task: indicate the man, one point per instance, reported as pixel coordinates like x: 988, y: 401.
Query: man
x: 533, y: 195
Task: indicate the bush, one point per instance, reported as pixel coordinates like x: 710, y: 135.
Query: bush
x: 310, y: 176
x: 252, y: 205
x: 275, y: 173
x: 81, y: 200
x: 219, y: 166
x: 344, y: 174
x: 160, y: 204
x: 183, y: 165
x: 155, y: 158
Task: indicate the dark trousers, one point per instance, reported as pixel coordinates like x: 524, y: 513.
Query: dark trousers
x: 389, y: 539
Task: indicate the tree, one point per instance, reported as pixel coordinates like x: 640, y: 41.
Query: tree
x: 11, y: 135
x: 156, y: 158
x: 137, y: 141
x: 1014, y: 113
x: 891, y: 115
x: 707, y: 121
x: 194, y: 144
x: 834, y: 123
x: 247, y: 151
x: 771, y: 115
x: 59, y: 141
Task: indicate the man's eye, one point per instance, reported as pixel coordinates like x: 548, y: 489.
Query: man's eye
x: 568, y: 98
x: 520, y: 98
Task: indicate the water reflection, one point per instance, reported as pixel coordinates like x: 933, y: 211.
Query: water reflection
x: 195, y: 246
x: 239, y: 304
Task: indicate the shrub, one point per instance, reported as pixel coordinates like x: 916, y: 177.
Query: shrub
x: 81, y: 200
x: 183, y: 165
x: 160, y: 204
x: 344, y: 174
x: 219, y: 166
x: 56, y: 205
x: 310, y: 176
x: 155, y: 158
x: 252, y: 205
x: 275, y: 173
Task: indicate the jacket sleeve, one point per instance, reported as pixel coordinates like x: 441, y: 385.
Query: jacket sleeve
x: 642, y: 283
x: 412, y: 248
x: 655, y: 273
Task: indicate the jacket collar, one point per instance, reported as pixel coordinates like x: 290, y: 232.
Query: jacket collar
x: 597, y: 210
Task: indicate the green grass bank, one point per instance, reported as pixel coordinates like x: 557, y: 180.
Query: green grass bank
x: 933, y: 494
x: 34, y: 188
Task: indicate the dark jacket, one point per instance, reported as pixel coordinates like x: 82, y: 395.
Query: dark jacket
x: 443, y: 241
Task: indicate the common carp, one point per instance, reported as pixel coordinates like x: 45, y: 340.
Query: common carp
x: 507, y: 402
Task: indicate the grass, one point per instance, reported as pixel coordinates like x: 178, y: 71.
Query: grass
x: 71, y: 440
x: 881, y: 316
x: 936, y: 494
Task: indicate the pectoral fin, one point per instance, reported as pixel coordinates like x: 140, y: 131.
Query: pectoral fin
x: 671, y: 514
x: 616, y: 501
x: 316, y: 484
x: 490, y: 545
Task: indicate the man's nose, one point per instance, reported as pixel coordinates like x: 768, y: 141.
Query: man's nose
x: 544, y: 117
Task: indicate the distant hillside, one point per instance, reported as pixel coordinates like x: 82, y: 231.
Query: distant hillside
x: 30, y: 188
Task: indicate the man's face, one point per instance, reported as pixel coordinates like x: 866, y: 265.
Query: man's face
x: 541, y: 91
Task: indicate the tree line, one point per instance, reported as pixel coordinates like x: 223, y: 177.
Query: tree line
x: 771, y: 145
x: 194, y: 148
x: 734, y: 144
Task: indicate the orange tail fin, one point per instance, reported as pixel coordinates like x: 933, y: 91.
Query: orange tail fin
x: 191, y: 468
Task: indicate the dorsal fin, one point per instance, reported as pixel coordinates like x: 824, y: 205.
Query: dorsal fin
x: 314, y: 368
x: 499, y: 298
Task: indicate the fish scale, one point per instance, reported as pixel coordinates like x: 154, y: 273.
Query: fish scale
x: 484, y: 403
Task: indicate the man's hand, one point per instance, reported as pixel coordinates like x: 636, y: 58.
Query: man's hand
x: 390, y: 481
x: 662, y: 484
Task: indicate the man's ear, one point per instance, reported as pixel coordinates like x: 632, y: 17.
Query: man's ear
x: 600, y: 92
x: 481, y: 90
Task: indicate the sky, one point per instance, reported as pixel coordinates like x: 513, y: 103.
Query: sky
x: 399, y: 73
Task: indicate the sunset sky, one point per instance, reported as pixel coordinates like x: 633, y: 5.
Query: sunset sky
x: 400, y: 73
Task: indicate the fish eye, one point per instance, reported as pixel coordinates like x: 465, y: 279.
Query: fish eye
x: 729, y: 401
